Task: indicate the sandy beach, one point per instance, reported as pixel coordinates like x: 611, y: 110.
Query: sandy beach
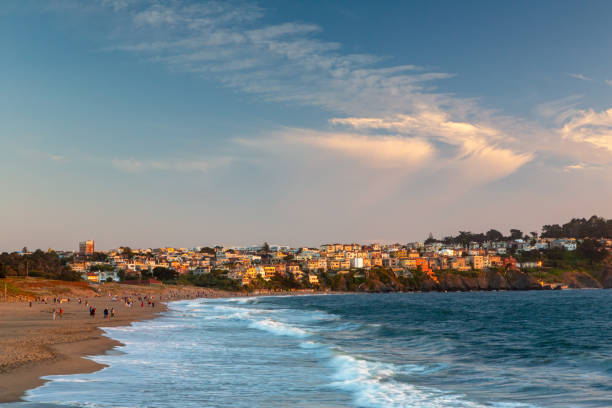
x: 33, y: 344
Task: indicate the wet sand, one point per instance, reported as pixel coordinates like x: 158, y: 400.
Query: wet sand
x: 32, y: 344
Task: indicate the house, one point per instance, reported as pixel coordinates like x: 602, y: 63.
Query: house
x: 357, y: 263
x: 477, y: 262
x: 202, y: 270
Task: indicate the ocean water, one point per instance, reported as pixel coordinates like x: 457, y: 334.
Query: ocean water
x: 480, y: 349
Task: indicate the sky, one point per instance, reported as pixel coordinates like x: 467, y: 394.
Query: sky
x: 188, y: 123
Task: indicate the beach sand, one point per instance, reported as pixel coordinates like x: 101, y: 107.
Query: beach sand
x: 32, y: 344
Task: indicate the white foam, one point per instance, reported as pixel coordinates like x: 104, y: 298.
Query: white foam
x: 67, y: 379
x: 372, y: 385
x: 278, y: 328
x: 311, y: 345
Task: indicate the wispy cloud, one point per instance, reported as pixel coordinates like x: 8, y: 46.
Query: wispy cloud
x: 591, y: 127
x: 366, y: 151
x: 608, y: 82
x: 382, y: 104
x: 475, y: 144
x: 582, y: 166
x: 581, y: 77
x: 560, y: 109
x: 133, y: 165
x: 279, y: 62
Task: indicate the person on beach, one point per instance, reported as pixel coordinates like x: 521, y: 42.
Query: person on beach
x: 54, y: 314
x: 112, y: 312
x: 61, y: 312
x: 106, y: 313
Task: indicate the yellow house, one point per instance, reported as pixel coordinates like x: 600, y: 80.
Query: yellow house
x: 269, y: 272
x: 313, y: 279
x: 250, y: 273
x: 478, y: 262
x: 93, y: 277
x: 408, y: 263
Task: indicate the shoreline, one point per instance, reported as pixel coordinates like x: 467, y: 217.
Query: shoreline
x: 67, y: 342
x: 33, y: 345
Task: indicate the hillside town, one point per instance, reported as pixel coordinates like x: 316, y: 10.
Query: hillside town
x: 247, y: 264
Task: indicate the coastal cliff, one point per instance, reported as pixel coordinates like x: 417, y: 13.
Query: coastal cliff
x: 490, y: 280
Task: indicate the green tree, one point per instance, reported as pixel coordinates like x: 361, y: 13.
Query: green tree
x: 592, y: 250
x: 164, y: 274
x: 516, y: 234
x: 494, y: 235
x: 430, y: 239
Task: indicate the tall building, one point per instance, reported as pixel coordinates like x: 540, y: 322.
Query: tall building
x: 86, y: 247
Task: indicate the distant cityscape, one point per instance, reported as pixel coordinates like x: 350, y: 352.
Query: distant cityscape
x: 245, y: 264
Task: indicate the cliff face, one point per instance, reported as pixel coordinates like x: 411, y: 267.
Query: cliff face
x: 606, y: 278
x: 485, y: 280
x: 491, y: 280
x: 580, y: 280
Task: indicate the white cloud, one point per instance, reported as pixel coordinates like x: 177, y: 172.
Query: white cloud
x: 560, y: 109
x: 289, y: 62
x: 280, y: 62
x: 364, y: 151
x: 477, y: 149
x: 580, y: 77
x: 608, y: 82
x: 582, y: 166
x: 577, y: 166
x: 591, y: 127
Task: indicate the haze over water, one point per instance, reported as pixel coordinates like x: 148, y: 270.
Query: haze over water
x: 505, y: 349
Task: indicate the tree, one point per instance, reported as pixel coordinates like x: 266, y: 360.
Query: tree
x: 266, y: 248
x: 594, y: 227
x: 164, y: 274
x: 552, y: 231
x: 494, y: 235
x: 592, y: 250
x: 128, y: 252
x: 99, y: 257
x: 430, y: 239
x: 516, y: 234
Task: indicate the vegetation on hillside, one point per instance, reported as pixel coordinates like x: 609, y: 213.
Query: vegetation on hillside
x: 579, y: 228
x: 38, y: 264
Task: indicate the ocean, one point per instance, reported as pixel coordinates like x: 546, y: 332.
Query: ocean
x: 475, y: 349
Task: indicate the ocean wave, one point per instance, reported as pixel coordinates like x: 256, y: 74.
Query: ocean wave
x: 372, y: 386
x: 278, y: 328
x: 67, y: 379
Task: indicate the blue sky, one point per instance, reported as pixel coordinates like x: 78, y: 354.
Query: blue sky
x: 145, y: 123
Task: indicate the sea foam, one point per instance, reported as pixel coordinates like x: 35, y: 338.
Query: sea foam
x: 278, y: 328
